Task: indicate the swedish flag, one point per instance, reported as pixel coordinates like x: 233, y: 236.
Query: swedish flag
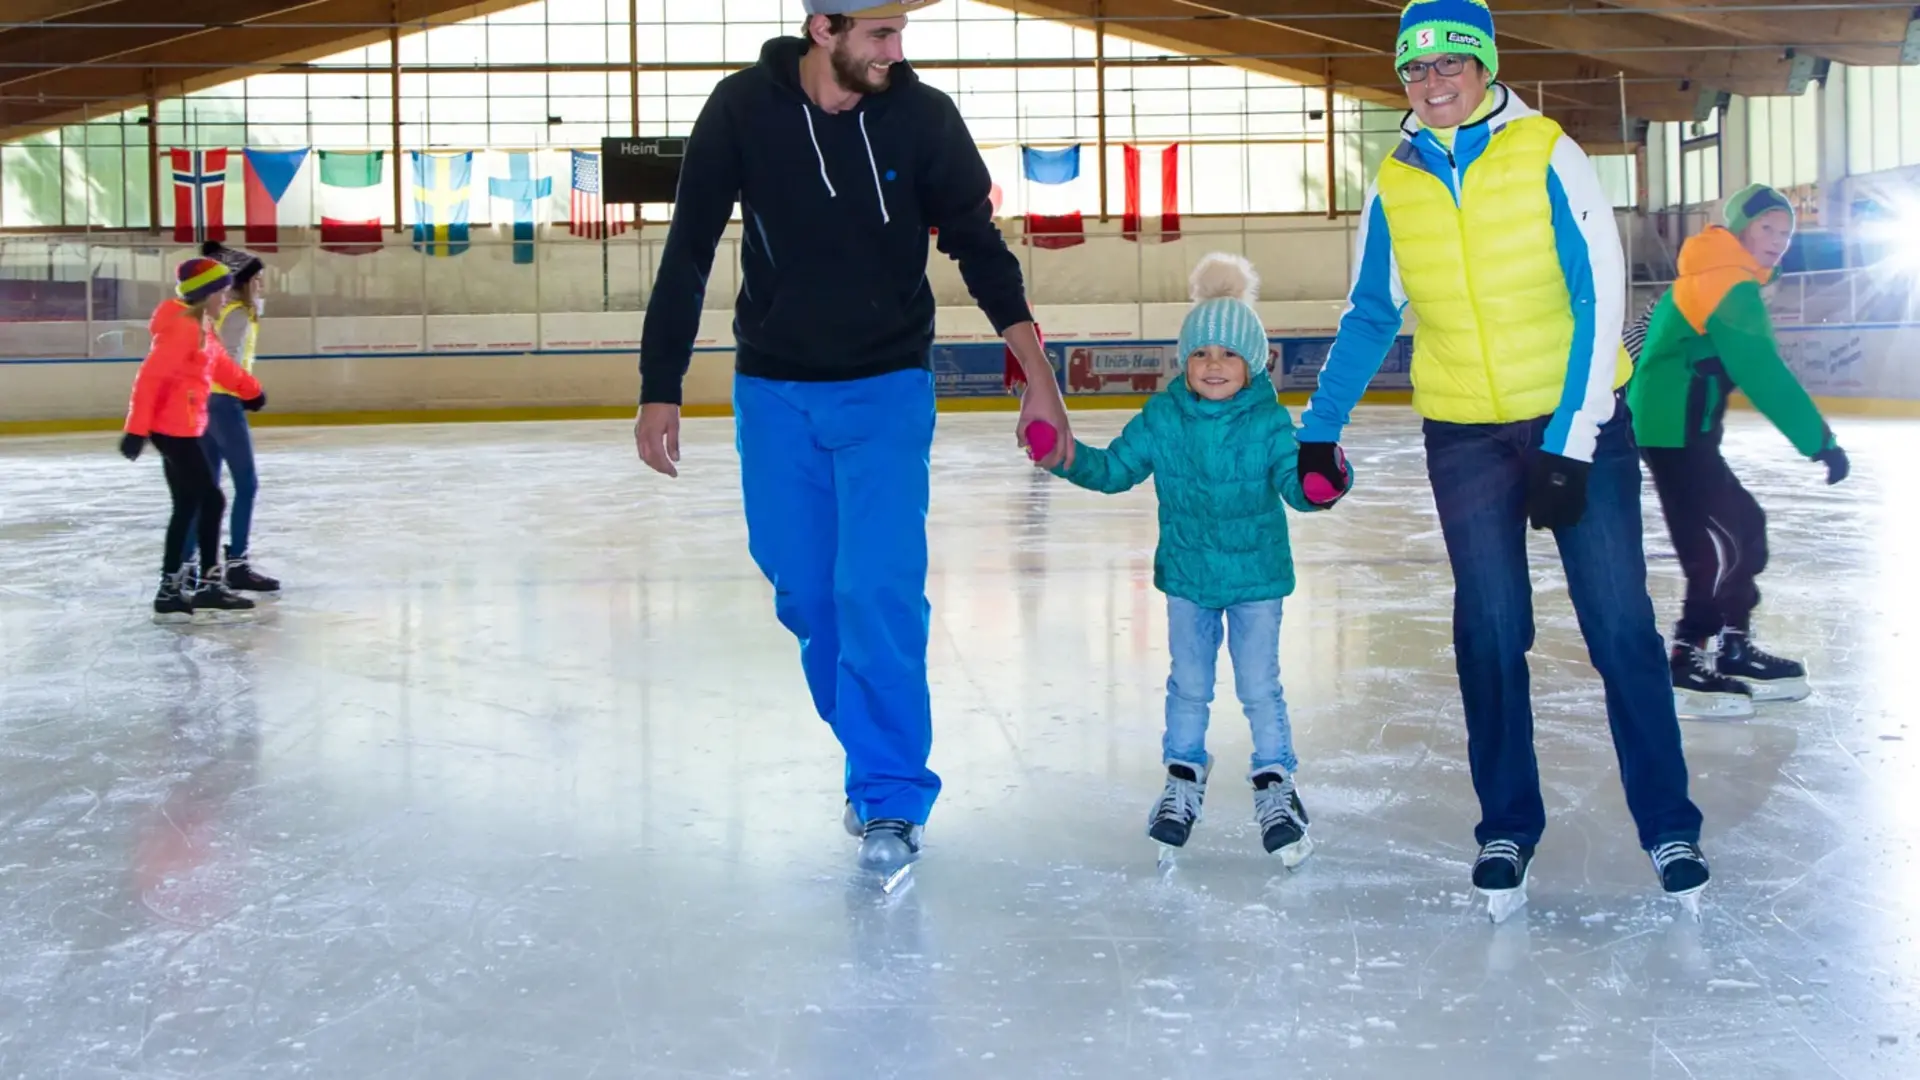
x: 442, y: 189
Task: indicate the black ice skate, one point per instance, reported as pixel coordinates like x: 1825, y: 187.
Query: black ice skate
x: 1700, y: 692
x: 888, y: 849
x: 1770, y: 677
x: 241, y: 576
x: 213, y: 598
x: 1283, y: 821
x: 1500, y: 874
x: 850, y: 821
x: 172, y: 604
x: 1178, y: 808
x: 1683, y: 873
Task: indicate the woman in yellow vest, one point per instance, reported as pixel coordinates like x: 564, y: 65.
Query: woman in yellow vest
x: 1492, y: 225
x: 228, y: 440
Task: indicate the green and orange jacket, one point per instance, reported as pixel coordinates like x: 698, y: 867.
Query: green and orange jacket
x: 1709, y: 335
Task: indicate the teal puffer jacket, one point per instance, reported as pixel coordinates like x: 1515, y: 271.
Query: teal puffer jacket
x: 1221, y: 470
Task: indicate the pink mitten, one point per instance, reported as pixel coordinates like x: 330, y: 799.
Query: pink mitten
x: 1318, y: 490
x: 1041, y: 439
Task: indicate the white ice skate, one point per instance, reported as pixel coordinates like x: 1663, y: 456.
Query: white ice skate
x: 1500, y: 875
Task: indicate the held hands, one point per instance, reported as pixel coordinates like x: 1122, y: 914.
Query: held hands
x: 1556, y: 491
x: 1043, y: 404
x: 131, y: 445
x: 656, y: 434
x: 1324, y: 476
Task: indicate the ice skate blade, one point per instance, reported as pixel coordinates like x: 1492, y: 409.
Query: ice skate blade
x: 1503, y: 904
x: 1782, y: 690
x: 1689, y: 901
x: 1292, y: 855
x: 172, y: 618
x: 1695, y: 706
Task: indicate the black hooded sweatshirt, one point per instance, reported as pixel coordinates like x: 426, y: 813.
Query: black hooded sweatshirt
x: 836, y: 210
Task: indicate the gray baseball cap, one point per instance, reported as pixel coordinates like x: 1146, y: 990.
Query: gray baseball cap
x: 867, y: 9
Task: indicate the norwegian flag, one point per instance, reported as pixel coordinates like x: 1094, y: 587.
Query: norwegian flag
x: 590, y: 217
x: 199, y: 196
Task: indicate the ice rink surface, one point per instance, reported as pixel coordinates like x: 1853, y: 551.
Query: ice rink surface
x: 518, y: 779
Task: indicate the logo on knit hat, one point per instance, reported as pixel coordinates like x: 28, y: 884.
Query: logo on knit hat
x: 1423, y: 38
x: 1455, y: 37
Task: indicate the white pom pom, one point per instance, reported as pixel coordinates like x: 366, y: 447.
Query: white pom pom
x: 1224, y: 276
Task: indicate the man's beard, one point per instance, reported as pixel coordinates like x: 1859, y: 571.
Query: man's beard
x: 852, y: 74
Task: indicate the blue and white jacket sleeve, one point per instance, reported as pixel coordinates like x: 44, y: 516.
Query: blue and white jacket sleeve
x: 1368, y: 328
x: 1595, y: 269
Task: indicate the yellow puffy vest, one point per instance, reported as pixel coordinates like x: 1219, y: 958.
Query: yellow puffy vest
x: 1483, y: 278
x: 247, y: 347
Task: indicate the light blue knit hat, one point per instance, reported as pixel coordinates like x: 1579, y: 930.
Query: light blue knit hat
x: 1225, y: 288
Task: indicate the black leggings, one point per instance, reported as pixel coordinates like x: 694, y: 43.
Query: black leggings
x: 197, y: 501
x: 1719, y: 533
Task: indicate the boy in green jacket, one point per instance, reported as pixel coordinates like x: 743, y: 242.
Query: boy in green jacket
x: 1221, y: 448
x: 1709, y: 335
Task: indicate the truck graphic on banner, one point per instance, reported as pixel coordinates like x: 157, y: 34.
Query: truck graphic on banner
x: 1116, y: 369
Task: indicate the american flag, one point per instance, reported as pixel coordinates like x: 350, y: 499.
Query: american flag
x: 590, y: 216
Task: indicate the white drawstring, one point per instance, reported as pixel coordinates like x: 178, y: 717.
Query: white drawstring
x: 808, y: 113
x: 885, y: 218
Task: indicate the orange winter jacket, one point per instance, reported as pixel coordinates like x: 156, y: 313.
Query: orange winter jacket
x: 170, y: 390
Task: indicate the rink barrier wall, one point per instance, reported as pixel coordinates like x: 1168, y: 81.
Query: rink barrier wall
x: 1850, y: 370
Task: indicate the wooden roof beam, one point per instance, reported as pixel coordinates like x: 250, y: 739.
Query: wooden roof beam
x: 1864, y: 36
x: 213, y: 59
x: 77, y: 41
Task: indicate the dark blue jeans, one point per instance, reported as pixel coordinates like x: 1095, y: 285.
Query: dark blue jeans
x: 229, y: 441
x: 1479, y: 476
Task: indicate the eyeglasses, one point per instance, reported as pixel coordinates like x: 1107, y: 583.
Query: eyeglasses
x: 1446, y: 65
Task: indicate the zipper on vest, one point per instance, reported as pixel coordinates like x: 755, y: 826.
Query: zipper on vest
x: 1473, y: 293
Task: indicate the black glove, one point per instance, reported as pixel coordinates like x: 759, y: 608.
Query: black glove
x: 1328, y: 463
x: 256, y: 403
x: 131, y: 445
x: 1556, y: 491
x: 1835, y: 459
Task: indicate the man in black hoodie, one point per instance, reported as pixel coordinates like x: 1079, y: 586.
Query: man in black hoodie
x: 842, y: 162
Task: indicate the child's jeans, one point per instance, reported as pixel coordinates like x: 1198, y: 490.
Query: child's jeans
x: 1253, y: 640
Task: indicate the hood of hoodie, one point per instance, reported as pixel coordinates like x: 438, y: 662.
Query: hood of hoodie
x: 1716, y: 249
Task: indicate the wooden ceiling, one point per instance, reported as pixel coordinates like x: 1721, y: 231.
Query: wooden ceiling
x: 1670, y: 58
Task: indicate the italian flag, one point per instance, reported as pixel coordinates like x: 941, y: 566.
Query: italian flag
x: 351, y: 196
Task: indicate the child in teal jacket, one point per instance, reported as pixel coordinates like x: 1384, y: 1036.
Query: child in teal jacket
x: 1221, y: 449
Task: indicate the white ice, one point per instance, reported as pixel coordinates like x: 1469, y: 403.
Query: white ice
x: 519, y: 779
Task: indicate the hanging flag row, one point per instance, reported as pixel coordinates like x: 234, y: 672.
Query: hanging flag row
x: 349, y: 193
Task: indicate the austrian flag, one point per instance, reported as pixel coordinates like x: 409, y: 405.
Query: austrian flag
x: 199, y: 196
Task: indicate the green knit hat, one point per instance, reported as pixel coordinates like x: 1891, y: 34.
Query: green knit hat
x: 1752, y: 201
x: 1435, y: 27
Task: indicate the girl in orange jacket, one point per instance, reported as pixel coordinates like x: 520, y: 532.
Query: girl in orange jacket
x: 169, y: 409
